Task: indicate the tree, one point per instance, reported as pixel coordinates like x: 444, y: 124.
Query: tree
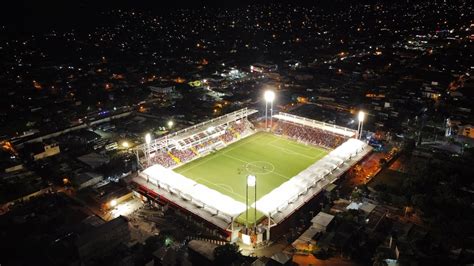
x: 355, y: 196
x: 226, y: 254
x: 378, y: 259
x: 321, y: 254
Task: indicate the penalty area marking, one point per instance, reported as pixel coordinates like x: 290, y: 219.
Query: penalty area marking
x: 225, y: 187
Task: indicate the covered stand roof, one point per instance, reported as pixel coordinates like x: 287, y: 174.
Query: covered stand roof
x: 343, y: 131
x: 189, y: 189
x: 287, y: 192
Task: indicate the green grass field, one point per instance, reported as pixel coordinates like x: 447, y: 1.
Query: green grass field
x: 272, y: 159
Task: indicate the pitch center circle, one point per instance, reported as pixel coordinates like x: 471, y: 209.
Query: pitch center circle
x: 259, y: 167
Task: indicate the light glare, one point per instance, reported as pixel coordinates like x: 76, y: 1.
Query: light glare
x: 361, y: 116
x: 269, y: 96
x: 148, y: 138
x: 251, y: 180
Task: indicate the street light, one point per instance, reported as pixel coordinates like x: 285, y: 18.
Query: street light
x: 251, y: 182
x: 361, y: 118
x: 269, y: 96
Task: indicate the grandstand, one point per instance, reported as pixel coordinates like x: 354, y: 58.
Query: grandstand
x: 202, y: 170
x: 190, y: 143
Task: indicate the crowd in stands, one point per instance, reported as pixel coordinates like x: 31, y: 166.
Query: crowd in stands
x: 206, y: 144
x: 165, y: 158
x: 310, y: 135
x: 228, y: 136
x: 183, y: 155
x: 239, y: 127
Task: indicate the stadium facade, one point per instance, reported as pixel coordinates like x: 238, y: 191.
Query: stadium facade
x: 159, y: 183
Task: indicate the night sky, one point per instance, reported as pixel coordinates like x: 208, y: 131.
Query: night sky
x: 33, y: 16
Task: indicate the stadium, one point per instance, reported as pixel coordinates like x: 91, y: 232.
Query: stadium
x: 242, y: 177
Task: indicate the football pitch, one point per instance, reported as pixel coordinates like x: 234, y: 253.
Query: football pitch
x: 272, y: 159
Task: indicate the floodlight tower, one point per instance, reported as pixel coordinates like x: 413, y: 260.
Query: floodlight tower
x: 125, y: 144
x: 251, y: 182
x: 361, y: 118
x: 269, y: 97
x: 170, y: 124
x: 148, y: 142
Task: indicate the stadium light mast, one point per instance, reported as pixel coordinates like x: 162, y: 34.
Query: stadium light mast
x: 148, y: 142
x: 269, y: 97
x: 170, y: 124
x: 251, y: 182
x: 361, y: 118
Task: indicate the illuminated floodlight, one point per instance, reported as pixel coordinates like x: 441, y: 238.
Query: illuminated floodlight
x: 125, y: 144
x: 251, y: 180
x: 148, y: 138
x: 113, y: 203
x: 246, y: 239
x: 269, y: 96
x: 170, y: 124
x: 210, y: 129
x: 361, y: 116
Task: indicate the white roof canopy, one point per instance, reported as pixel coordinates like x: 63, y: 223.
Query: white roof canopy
x: 299, y: 184
x: 208, y: 198
x: 316, y: 124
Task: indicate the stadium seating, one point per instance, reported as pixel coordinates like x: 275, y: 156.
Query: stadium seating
x: 162, y: 158
x: 310, y: 135
x: 202, y: 142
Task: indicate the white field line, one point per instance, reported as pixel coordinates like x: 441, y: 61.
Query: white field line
x: 235, y: 158
x: 292, y: 152
x: 297, y: 145
x: 225, y: 150
x: 223, y: 187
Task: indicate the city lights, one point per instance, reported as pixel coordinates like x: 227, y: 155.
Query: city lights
x: 254, y: 128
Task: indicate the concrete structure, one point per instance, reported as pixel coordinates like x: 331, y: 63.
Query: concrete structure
x: 86, y: 179
x: 102, y: 240
x: 49, y: 150
x: 319, y: 224
x: 322, y: 220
